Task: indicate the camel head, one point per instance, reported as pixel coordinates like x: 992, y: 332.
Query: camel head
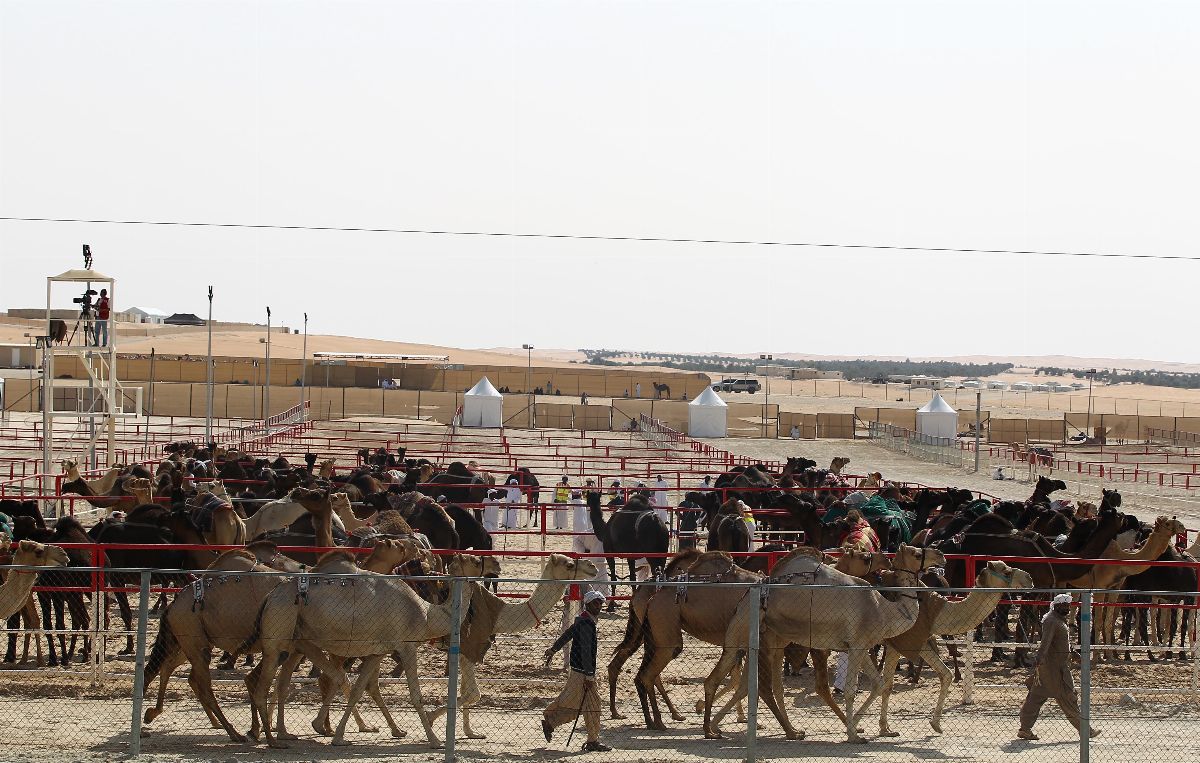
x: 560, y: 567
x: 71, y: 468
x: 140, y: 488
x: 1168, y: 526
x: 917, y: 559
x: 838, y: 464
x: 465, y: 566
x: 326, y: 470
x: 313, y: 501
x: 31, y: 554
x: 390, y: 553
x: 859, y: 564
x: 340, y: 502
x: 997, y: 574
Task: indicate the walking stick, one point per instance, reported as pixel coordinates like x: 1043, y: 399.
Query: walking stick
x: 578, y: 713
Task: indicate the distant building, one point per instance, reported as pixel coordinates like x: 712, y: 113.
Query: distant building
x: 146, y: 315
x: 997, y: 385
x: 184, y: 319
x: 920, y: 381
x: 805, y: 374
x: 18, y: 356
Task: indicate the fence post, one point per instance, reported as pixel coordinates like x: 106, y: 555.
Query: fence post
x: 752, y: 675
x: 456, y: 589
x: 1085, y: 676
x: 139, y: 666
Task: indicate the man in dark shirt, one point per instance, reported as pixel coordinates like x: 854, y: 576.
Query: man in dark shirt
x: 579, y: 696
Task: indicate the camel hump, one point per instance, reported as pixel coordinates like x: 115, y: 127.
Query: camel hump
x: 332, y: 558
x: 229, y: 556
x: 683, y: 560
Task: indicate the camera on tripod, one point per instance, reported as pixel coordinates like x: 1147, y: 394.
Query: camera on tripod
x: 85, y: 302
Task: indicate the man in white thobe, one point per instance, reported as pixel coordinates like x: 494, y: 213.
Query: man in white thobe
x: 660, y: 500
x: 491, y: 511
x: 514, y: 498
x: 588, y: 543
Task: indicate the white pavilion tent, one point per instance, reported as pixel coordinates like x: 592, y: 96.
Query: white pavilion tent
x: 707, y: 415
x: 937, y: 418
x: 483, y: 406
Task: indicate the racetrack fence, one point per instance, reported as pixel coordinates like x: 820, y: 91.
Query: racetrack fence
x: 485, y: 684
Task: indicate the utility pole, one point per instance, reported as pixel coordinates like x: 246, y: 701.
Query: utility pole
x: 1091, y: 374
x: 767, y: 390
x: 208, y: 392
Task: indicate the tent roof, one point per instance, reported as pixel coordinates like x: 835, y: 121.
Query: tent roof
x: 483, y: 388
x: 937, y: 405
x: 709, y: 399
x: 81, y: 275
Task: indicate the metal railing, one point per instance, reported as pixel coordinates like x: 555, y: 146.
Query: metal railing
x: 935, y: 450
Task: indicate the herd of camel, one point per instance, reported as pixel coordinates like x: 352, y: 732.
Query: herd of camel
x: 338, y: 606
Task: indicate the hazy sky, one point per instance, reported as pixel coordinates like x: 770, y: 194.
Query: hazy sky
x: 1035, y: 125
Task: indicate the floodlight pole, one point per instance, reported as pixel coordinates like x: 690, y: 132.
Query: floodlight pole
x: 208, y: 378
x: 266, y: 412
x: 304, y: 369
x: 1091, y: 374
x: 766, y: 390
x: 529, y: 390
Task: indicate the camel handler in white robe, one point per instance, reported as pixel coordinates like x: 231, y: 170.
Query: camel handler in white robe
x: 1051, y: 676
x: 588, y: 543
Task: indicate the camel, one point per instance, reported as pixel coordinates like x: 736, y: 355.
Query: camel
x: 1113, y: 576
x: 632, y: 530
x: 217, y: 520
x: 661, y: 390
x: 838, y: 463
x: 282, y: 512
x: 312, y: 619
x: 939, y: 617
x: 102, y: 486
x: 211, y: 613
x: 841, y: 614
x: 14, y: 592
x: 659, y: 618
x: 513, y: 618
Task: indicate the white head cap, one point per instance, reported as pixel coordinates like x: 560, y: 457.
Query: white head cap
x: 1062, y: 598
x: 591, y: 596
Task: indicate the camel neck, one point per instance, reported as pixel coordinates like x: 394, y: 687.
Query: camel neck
x: 15, y: 591
x: 527, y: 614
x: 962, y: 616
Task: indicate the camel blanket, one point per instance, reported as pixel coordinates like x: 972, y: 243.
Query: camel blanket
x: 202, y: 513
x: 913, y: 640
x: 478, y: 631
x: 879, y: 508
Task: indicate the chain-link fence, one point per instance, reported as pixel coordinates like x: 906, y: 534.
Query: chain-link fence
x: 780, y: 656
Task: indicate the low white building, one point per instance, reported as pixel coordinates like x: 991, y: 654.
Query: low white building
x: 146, y: 315
x: 997, y: 385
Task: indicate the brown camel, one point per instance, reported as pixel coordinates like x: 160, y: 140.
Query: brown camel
x: 212, y: 613
x: 817, y: 606
x: 838, y: 463
x: 315, y: 621
x: 1113, y: 576
x: 940, y: 617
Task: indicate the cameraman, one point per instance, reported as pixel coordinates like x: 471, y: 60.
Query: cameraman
x: 102, y: 311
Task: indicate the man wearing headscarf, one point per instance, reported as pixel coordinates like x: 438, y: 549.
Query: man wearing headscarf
x: 1051, y: 677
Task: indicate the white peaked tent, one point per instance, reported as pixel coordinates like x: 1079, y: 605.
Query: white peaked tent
x: 483, y: 406
x: 707, y: 415
x: 937, y: 418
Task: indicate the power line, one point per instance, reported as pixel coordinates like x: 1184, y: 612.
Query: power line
x: 587, y: 237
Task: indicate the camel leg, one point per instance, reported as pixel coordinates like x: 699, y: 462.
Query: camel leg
x: 126, y: 620
x: 944, y: 674
x: 47, y: 605
x: 201, y: 682
x: 770, y: 688
x: 711, y: 683
x: 858, y: 657
x: 14, y: 622
x: 409, y: 651
x: 81, y: 622
x: 469, y: 695
x: 654, y: 662
x: 31, y: 625
x: 662, y: 690
x: 377, y: 696
x: 820, y: 660
x: 172, y: 661
x: 891, y: 658
x: 261, y: 688
x: 368, y: 670
x: 626, y: 649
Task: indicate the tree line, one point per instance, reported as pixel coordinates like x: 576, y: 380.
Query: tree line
x: 1152, y: 377
x: 855, y: 370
